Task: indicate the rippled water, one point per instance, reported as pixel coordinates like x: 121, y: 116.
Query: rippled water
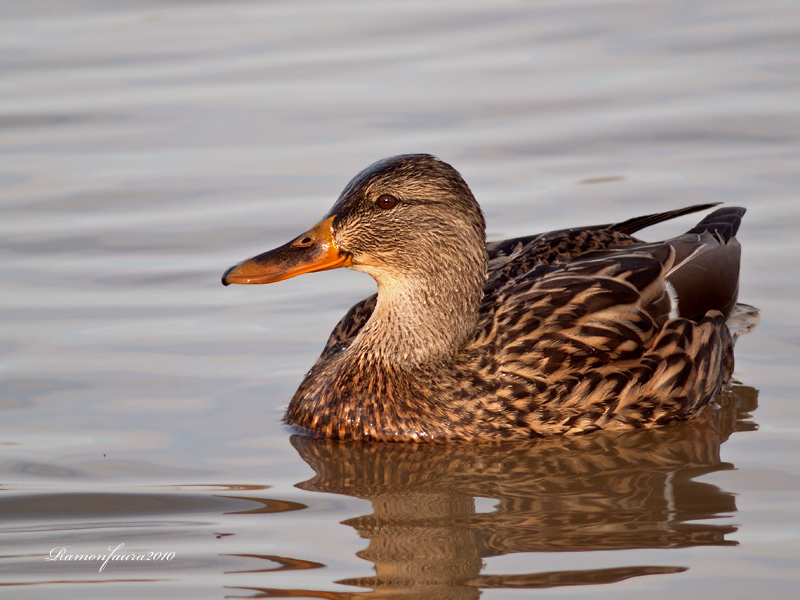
x: 148, y: 146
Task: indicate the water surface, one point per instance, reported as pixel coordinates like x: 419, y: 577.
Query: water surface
x: 147, y: 147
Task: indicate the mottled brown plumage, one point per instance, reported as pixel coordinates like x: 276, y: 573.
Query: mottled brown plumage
x: 560, y: 333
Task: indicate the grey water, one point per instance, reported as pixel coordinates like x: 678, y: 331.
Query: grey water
x: 146, y: 147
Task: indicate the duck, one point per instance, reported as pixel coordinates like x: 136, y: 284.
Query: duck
x: 560, y: 333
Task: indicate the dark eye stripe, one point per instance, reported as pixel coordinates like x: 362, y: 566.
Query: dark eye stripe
x: 386, y: 201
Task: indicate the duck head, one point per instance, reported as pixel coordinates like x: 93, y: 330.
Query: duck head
x: 397, y: 216
x: 412, y: 223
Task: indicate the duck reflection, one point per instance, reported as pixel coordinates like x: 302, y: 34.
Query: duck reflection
x: 427, y: 538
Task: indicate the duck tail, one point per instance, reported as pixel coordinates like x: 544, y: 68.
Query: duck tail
x: 723, y: 222
x: 705, y: 272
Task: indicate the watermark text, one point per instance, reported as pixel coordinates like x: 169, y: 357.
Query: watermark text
x: 115, y: 553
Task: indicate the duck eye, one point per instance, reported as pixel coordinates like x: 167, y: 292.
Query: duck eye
x: 386, y: 201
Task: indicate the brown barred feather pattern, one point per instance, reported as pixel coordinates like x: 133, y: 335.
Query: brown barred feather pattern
x: 560, y: 333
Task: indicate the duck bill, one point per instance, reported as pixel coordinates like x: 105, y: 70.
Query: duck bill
x: 314, y: 250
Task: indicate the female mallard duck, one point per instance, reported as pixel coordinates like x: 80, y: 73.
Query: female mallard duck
x: 560, y: 333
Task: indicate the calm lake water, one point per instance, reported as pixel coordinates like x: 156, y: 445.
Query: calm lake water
x: 147, y: 146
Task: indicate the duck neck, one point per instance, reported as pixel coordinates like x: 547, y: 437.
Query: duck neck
x: 423, y: 318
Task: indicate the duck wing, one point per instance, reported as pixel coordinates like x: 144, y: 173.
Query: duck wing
x: 605, y: 340
x: 518, y: 255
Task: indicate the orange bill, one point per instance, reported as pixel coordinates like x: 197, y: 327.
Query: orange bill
x: 314, y: 250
